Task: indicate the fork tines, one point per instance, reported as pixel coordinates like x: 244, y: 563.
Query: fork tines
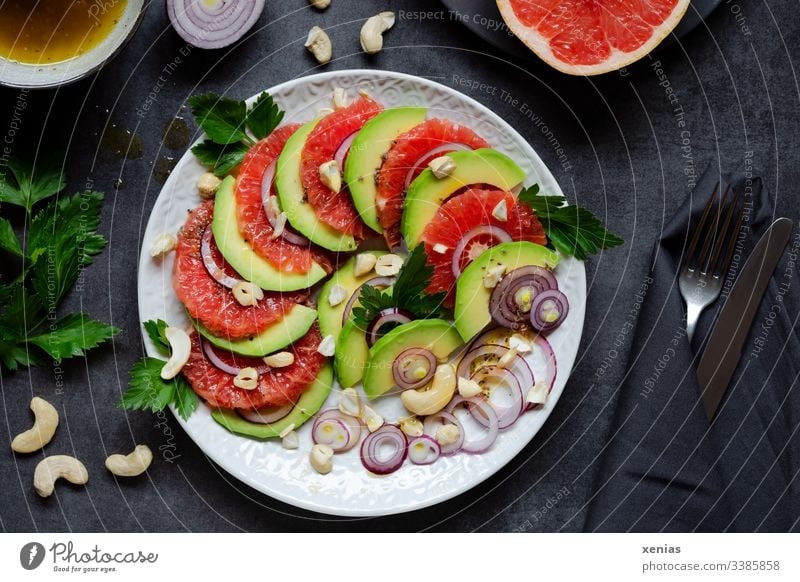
x: 715, y: 230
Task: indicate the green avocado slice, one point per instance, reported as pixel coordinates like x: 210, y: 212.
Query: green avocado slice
x: 472, y: 297
x: 307, y: 406
x: 287, y: 330
x: 427, y: 192
x: 366, y: 155
x: 241, y: 256
x: 293, y: 200
x: 437, y: 335
x: 352, y: 354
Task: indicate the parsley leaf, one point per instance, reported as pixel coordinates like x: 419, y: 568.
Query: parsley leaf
x: 147, y: 390
x: 22, y: 185
x: 264, y: 116
x: 155, y: 329
x: 220, y: 158
x: 73, y: 335
x: 571, y: 229
x: 407, y: 293
x: 222, y: 118
x: 186, y: 401
x: 8, y: 238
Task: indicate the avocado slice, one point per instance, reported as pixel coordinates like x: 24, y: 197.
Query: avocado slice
x: 307, y: 406
x: 241, y: 256
x: 287, y: 330
x: 366, y: 156
x: 427, y: 192
x: 472, y: 297
x: 352, y: 354
x: 293, y: 200
x: 436, y: 335
x: 330, y: 317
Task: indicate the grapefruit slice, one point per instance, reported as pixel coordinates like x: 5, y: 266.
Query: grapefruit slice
x: 210, y: 302
x: 407, y: 157
x: 334, y: 208
x: 590, y: 37
x: 466, y: 224
x: 252, y: 218
x: 276, y: 386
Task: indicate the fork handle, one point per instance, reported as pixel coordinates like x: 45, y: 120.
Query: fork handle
x: 692, y: 316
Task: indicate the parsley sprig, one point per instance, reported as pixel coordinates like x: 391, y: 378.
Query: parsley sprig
x: 147, y: 390
x: 231, y: 127
x: 572, y: 230
x: 61, y: 241
x: 407, y: 293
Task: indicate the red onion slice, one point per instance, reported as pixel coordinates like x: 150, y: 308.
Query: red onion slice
x: 339, y: 431
x: 423, y: 450
x: 215, y: 270
x: 443, y: 149
x: 266, y: 415
x: 377, y: 461
x: 505, y: 304
x: 486, y: 410
x: 434, y: 421
x: 213, y: 24
x: 406, y: 364
x: 507, y: 414
x: 343, y: 149
x: 497, y: 234
x: 375, y: 282
x: 217, y: 362
x: 488, y: 355
x: 388, y: 316
x: 270, y: 204
x: 547, y: 302
x: 544, y: 351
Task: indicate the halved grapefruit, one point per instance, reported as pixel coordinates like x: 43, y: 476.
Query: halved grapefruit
x: 210, y: 302
x: 328, y: 137
x: 407, y: 157
x: 253, y: 223
x: 276, y: 386
x: 468, y: 224
x: 590, y: 37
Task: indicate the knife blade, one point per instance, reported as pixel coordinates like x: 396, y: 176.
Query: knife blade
x: 724, y: 347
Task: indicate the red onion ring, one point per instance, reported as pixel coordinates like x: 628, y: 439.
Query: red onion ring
x: 216, y: 361
x: 486, y: 409
x: 504, y: 305
x: 423, y: 450
x: 561, y: 305
x: 375, y: 282
x: 400, y: 372
x: 212, y: 26
x: 506, y: 414
x: 266, y: 415
x: 216, y: 271
x: 442, y: 149
x: 348, y: 425
x: 520, y: 368
x: 385, y: 317
x: 266, y: 194
x: 497, y: 233
x: 390, y: 435
x: 551, y: 363
x: 434, y: 421
x: 343, y: 149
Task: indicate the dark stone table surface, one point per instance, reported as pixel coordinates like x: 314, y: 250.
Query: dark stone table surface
x: 633, y: 143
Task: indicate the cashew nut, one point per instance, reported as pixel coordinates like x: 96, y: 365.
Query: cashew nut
x: 247, y: 294
x: 319, y: 44
x: 180, y: 348
x: 493, y: 276
x: 279, y: 360
x: 388, y: 265
x: 331, y: 175
x: 365, y: 262
x: 373, y: 29
x: 132, y: 464
x: 340, y: 100
x: 280, y: 226
x: 440, y: 248
x: 50, y: 469
x: 337, y: 295
x: 468, y: 387
x: 447, y: 434
x: 538, y: 394
x: 436, y: 397
x: 246, y: 379
x: 327, y: 347
x: 372, y: 419
x: 42, y: 431
x: 349, y: 402
x: 442, y: 166
x: 207, y: 185
x: 290, y: 440
x: 520, y: 343
x: 500, y: 212
x: 320, y: 4
x: 163, y: 245
x: 412, y: 426
x: 320, y: 458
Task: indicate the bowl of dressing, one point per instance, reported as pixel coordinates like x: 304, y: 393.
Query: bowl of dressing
x: 48, y: 43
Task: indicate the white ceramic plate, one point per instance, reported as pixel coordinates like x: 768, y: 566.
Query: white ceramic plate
x: 350, y: 490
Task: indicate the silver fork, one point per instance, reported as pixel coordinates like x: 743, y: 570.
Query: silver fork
x: 703, y: 270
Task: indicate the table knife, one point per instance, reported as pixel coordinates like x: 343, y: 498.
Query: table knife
x: 724, y: 347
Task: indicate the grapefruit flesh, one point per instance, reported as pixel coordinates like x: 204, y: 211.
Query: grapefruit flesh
x: 276, y: 386
x: 334, y: 209
x: 211, y: 303
x: 251, y: 217
x: 462, y: 213
x: 589, y: 37
x: 406, y: 152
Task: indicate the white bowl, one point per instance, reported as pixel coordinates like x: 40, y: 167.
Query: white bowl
x: 26, y: 75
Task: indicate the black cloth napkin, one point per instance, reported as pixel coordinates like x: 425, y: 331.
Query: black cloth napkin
x: 664, y: 468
